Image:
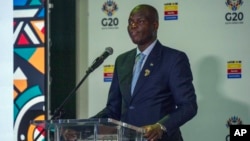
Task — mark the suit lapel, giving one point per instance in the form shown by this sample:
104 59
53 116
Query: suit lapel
125 74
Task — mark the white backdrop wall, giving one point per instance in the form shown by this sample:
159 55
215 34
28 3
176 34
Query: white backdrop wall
214 45
6 74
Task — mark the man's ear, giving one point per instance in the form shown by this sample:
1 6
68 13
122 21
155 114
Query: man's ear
156 25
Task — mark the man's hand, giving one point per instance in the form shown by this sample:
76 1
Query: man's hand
153 132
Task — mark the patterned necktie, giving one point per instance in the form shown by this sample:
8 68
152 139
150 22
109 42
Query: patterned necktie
137 70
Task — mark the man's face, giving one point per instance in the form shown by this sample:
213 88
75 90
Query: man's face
141 29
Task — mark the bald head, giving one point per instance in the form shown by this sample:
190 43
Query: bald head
149 11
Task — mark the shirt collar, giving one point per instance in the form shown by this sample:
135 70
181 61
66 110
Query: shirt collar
147 50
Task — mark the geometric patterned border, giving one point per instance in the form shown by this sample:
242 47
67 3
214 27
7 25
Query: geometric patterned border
29 68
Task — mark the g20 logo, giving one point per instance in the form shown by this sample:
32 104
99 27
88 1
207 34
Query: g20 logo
234 16
110 22
109 8
234 5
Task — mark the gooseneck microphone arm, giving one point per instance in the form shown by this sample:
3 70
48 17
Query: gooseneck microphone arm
98 61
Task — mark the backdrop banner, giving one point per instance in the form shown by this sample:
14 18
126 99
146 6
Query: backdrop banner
214 34
29 68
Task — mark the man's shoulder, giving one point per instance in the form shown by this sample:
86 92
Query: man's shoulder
168 49
127 54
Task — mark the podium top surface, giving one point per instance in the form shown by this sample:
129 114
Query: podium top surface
50 124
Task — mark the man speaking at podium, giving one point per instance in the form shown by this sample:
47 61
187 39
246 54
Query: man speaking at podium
155 89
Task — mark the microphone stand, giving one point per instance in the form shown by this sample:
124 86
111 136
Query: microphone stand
58 112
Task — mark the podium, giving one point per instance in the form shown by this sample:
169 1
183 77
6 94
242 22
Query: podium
96 129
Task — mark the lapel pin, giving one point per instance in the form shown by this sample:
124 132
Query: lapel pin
151 64
147 72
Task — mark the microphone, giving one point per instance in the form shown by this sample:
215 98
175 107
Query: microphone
99 60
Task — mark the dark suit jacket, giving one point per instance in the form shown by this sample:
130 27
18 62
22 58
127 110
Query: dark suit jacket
164 91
